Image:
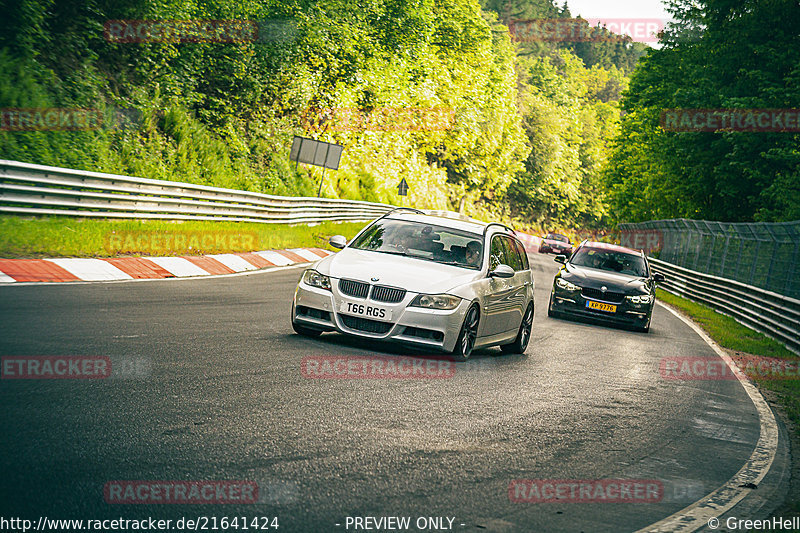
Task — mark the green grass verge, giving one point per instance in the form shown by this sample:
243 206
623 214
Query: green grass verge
24 237
726 331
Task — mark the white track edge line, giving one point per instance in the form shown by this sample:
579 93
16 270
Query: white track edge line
724 498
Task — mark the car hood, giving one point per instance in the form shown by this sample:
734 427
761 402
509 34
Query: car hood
556 243
595 279
414 275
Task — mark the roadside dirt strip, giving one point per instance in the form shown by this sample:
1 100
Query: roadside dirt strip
128 268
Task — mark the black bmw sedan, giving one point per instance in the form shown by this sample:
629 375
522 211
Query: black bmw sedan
605 283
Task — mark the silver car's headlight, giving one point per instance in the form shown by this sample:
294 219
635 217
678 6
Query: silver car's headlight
315 279
640 299
564 284
436 301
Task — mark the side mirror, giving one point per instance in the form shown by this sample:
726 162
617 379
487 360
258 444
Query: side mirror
502 271
658 277
338 241
561 259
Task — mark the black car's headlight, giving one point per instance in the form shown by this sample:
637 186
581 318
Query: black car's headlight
566 285
315 279
436 301
640 299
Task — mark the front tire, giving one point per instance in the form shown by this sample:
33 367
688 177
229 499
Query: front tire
520 344
467 337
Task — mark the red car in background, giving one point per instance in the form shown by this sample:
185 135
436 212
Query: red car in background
555 243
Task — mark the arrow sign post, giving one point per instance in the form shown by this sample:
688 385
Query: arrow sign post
402 189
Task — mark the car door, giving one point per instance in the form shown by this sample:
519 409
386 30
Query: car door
518 285
499 304
527 274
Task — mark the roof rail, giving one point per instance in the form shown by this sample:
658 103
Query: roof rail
490 224
401 209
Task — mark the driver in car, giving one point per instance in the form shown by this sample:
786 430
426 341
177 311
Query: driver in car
473 253
612 264
405 239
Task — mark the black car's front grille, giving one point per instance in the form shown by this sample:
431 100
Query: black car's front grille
597 294
364 324
387 294
356 289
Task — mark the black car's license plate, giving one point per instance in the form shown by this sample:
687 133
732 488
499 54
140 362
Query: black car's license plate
600 306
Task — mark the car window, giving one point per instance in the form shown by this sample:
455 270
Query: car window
610 260
522 254
556 237
512 255
497 254
422 241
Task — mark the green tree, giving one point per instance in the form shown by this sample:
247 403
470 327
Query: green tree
718 55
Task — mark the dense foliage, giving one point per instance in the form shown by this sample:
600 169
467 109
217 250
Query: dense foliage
529 125
721 54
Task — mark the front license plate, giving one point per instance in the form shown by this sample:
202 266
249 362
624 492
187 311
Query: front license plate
366 311
608 308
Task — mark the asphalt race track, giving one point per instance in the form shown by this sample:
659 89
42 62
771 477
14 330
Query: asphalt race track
217 393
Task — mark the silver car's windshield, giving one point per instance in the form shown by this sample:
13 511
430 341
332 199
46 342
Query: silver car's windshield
423 241
611 260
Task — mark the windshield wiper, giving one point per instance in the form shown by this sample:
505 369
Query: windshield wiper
391 252
457 263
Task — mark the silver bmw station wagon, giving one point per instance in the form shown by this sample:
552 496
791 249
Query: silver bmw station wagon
433 281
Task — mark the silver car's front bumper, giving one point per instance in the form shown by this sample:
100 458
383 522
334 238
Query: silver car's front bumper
432 328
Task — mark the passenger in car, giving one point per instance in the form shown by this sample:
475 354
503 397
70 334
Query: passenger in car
458 254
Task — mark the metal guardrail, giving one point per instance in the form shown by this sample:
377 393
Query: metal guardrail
773 314
27 189
765 255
